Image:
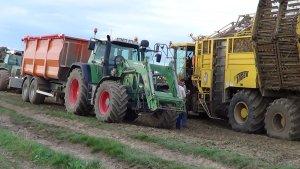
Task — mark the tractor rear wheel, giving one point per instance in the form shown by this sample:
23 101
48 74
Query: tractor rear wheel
111 102
165 118
246 111
34 97
4 79
282 119
76 95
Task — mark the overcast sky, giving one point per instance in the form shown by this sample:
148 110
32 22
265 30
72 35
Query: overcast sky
155 20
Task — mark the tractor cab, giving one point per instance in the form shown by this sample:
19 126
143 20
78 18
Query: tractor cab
10 66
11 59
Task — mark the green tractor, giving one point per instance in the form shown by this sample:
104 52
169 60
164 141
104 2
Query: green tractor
10 64
120 82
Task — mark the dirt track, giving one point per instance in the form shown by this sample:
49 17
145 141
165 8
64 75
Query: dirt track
200 131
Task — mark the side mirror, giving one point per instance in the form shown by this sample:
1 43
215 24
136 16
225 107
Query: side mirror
144 43
92 45
158 57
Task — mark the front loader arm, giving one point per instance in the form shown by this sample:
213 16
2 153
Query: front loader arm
144 70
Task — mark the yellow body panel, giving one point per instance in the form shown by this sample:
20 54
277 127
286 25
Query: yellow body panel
240 70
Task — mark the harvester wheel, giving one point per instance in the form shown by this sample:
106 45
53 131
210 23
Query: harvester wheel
165 118
25 90
111 102
76 95
34 97
247 111
282 119
4 79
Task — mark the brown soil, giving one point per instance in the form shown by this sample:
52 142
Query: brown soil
96 132
204 132
76 150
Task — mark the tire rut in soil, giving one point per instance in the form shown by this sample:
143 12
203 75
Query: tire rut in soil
78 126
212 133
76 150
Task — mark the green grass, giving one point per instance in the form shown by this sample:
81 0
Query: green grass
40 154
6 163
108 146
216 154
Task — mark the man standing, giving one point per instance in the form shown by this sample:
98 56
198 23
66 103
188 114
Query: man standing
182 118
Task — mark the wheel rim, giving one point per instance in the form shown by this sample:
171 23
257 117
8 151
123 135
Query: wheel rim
279 122
73 91
241 113
104 102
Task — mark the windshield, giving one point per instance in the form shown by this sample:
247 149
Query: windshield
13 60
184 55
99 52
127 53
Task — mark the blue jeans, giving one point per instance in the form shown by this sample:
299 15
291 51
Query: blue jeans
181 120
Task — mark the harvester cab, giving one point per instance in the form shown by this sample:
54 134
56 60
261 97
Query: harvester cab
183 55
124 83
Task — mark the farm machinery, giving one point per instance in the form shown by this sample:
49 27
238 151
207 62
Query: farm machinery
113 77
10 65
248 72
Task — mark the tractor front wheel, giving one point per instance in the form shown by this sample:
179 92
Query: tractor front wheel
282 119
111 102
165 118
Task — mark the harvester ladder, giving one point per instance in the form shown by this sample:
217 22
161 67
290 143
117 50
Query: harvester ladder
203 102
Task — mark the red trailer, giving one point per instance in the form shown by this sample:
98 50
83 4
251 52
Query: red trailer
46 64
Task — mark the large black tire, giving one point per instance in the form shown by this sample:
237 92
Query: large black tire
4 79
34 97
25 90
247 111
166 119
76 94
282 119
131 115
111 102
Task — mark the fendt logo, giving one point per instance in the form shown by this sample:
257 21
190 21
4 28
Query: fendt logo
242 75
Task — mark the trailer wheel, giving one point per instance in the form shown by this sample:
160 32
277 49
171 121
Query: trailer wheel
111 102
25 90
165 118
34 97
282 119
4 79
76 95
246 111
